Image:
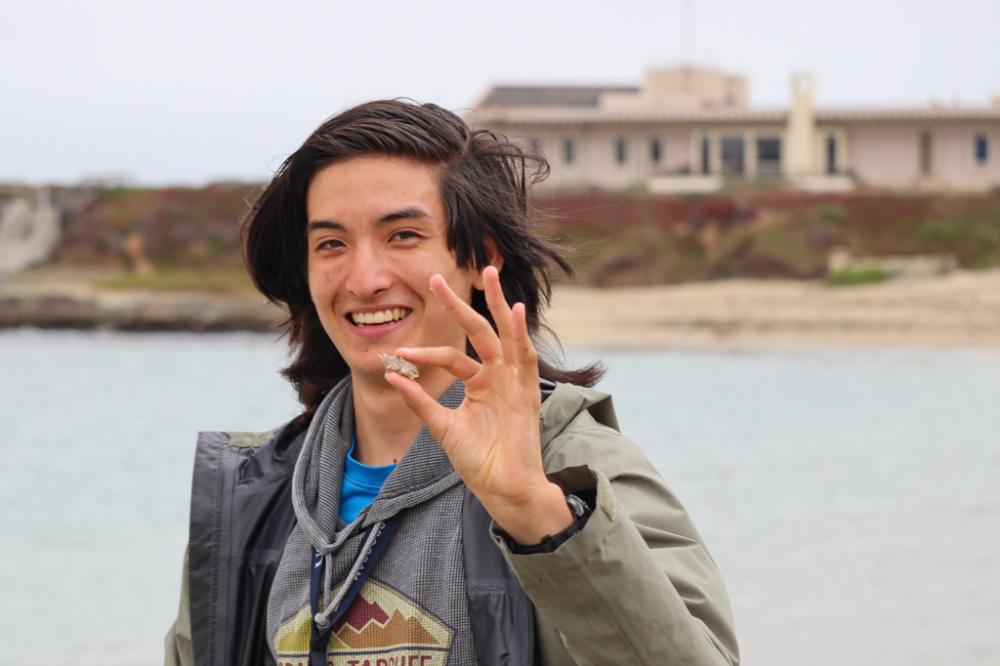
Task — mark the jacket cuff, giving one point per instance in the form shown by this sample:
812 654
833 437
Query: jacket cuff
609 598
592 487
581 512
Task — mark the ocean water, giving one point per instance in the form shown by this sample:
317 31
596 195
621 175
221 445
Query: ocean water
850 497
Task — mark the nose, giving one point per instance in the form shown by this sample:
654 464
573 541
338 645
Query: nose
368 273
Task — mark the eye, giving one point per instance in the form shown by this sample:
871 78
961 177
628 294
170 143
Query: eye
329 244
404 235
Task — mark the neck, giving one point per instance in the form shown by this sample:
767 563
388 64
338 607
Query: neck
384 427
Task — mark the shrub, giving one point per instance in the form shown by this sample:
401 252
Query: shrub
850 278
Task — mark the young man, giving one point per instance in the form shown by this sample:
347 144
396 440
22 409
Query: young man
483 511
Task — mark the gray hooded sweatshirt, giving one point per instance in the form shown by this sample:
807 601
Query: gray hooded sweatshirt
634 586
413 609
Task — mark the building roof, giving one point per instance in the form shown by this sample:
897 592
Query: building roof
565 116
926 113
551 115
622 104
549 96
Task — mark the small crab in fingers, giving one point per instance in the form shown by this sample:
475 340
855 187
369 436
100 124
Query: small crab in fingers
399 365
492 439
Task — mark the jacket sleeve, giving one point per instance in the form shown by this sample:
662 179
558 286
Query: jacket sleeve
177 643
635 585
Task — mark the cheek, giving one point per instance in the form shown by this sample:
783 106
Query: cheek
322 283
464 284
315 285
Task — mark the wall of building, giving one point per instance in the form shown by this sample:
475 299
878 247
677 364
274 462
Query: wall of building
889 155
602 163
595 162
954 159
842 157
594 155
682 88
877 154
885 155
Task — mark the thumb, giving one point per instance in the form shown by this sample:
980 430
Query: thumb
435 415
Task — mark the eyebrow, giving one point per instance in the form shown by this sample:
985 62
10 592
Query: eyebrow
412 212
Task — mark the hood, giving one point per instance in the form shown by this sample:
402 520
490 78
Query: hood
563 402
423 473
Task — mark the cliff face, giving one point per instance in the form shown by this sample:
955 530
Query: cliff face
29 232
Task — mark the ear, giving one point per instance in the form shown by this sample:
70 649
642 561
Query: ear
493 258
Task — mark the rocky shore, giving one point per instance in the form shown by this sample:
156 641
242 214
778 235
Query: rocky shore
958 310
69 299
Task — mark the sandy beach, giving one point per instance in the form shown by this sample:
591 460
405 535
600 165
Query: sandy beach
958 310
961 309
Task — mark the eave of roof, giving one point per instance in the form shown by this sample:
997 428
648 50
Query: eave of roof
910 113
501 97
554 116
589 116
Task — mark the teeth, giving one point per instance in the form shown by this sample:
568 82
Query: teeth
372 318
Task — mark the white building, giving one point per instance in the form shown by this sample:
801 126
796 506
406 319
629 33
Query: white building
689 128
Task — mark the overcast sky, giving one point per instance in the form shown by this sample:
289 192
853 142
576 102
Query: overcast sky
187 92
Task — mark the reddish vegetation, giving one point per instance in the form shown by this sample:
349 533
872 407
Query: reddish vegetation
177 225
637 238
599 211
619 238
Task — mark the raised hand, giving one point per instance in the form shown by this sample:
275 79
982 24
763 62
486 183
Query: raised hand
492 438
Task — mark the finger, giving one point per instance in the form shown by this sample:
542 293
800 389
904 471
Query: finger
501 312
484 340
527 355
454 361
430 411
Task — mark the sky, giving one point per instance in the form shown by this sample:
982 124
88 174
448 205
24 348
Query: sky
185 92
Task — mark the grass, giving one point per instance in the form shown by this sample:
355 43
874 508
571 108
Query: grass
220 281
851 278
830 213
939 231
788 245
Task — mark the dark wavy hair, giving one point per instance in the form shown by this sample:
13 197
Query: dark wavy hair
484 182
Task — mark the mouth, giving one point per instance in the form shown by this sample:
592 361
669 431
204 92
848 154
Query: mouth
378 317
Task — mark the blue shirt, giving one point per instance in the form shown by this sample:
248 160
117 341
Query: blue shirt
361 485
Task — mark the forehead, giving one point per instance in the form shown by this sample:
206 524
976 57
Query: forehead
371 186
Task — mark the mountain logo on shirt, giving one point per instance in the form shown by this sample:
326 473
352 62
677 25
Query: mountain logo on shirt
382 628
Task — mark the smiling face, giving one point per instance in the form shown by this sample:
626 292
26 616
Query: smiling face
377 232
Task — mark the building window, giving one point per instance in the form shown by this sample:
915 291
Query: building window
982 149
732 155
621 150
655 150
926 157
769 156
568 151
831 154
706 155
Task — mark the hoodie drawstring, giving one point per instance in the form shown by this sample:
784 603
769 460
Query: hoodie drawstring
322 619
374 544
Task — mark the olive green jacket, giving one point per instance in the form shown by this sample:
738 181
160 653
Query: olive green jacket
634 586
